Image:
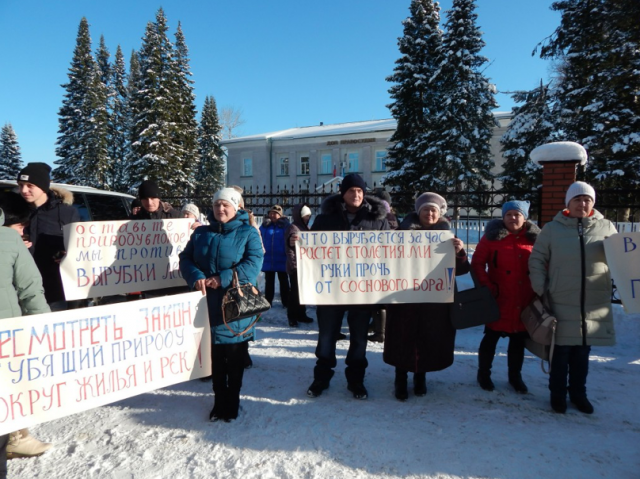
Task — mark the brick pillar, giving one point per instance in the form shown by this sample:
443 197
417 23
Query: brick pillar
556 178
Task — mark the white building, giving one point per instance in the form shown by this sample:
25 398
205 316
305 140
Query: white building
309 156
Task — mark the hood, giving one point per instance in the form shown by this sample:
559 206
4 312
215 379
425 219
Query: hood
62 194
496 230
297 218
572 222
374 206
412 222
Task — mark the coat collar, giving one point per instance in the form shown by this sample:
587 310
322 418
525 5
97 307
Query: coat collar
496 230
373 207
412 222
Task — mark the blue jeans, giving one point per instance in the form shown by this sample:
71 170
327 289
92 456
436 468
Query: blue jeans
574 362
329 324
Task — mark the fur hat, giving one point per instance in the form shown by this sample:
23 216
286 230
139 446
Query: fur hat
37 174
277 209
148 189
579 188
431 199
350 181
191 208
383 195
517 205
229 195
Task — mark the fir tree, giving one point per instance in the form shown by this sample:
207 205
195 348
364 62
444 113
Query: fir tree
415 95
119 126
156 124
210 175
134 83
532 125
10 157
597 96
186 140
465 121
83 119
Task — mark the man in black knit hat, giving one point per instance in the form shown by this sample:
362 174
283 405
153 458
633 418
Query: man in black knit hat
153 208
350 210
51 210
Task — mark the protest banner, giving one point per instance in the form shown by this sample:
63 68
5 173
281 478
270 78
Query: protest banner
114 257
375 267
623 256
57 364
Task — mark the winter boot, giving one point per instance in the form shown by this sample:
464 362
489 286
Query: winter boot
233 405
484 380
420 384
305 319
23 444
358 390
401 385
559 403
316 388
582 404
517 383
379 324
515 359
486 352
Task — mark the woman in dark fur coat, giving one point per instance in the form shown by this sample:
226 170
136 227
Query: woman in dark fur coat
419 336
501 262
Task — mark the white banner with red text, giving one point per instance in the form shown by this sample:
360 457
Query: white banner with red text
375 267
57 364
114 257
623 258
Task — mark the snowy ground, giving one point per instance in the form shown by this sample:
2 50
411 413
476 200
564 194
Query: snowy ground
456 431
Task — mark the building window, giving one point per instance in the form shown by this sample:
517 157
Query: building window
283 166
381 160
247 167
304 165
325 164
353 162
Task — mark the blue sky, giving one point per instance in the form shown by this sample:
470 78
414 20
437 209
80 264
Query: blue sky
284 63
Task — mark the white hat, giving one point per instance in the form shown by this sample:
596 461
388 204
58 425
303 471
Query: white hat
229 195
191 208
579 188
305 211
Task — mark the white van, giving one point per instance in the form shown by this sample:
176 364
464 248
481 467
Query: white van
92 204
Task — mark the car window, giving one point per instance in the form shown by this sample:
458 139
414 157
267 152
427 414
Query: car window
81 206
106 208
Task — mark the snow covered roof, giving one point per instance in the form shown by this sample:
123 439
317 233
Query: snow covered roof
331 130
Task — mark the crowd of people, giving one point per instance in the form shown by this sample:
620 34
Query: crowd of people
564 261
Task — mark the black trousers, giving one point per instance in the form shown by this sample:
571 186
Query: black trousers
571 361
270 283
515 351
4 440
294 309
227 371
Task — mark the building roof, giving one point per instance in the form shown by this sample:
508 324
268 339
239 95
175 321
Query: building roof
336 129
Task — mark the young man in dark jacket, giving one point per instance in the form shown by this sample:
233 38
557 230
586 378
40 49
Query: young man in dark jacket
51 210
350 210
153 208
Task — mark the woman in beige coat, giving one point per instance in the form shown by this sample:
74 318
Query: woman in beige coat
569 265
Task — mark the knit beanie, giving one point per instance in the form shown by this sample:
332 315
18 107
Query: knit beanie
431 199
579 188
136 203
191 208
37 174
517 205
350 181
148 189
229 195
305 211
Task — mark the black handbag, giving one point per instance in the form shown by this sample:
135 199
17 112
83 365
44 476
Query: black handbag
241 302
474 307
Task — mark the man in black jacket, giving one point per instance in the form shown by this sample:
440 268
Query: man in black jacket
350 210
51 210
153 208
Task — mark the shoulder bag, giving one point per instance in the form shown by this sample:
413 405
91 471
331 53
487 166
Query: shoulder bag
474 307
241 302
541 325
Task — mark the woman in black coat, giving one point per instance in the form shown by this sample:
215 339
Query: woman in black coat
419 336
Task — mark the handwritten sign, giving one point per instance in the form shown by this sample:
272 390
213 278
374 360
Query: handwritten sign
375 267
623 257
113 257
57 364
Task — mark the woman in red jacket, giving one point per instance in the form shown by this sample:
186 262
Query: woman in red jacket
501 262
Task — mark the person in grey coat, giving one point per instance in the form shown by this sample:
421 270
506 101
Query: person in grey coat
568 264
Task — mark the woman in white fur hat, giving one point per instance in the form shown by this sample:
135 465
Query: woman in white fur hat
568 264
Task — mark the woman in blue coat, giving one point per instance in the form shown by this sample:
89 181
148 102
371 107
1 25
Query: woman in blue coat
275 255
207 264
